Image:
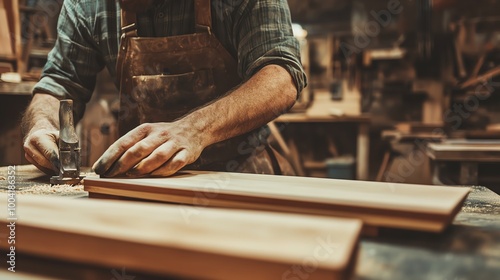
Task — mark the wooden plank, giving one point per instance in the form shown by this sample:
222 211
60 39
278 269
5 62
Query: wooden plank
14 25
158 239
474 151
5 34
17 36
363 152
419 207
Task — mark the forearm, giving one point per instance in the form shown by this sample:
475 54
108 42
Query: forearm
269 93
42 113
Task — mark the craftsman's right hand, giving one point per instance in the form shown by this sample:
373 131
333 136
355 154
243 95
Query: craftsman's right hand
157 149
41 150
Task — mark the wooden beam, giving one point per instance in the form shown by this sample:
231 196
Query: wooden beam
418 207
159 239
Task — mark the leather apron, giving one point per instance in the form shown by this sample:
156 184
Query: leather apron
162 79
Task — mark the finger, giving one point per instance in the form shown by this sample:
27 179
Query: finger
49 149
116 150
177 162
156 159
134 155
41 168
38 158
42 149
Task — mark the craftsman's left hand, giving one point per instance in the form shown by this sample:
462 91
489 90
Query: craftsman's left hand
159 149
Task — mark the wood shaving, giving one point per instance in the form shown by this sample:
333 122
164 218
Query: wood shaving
57 190
3 178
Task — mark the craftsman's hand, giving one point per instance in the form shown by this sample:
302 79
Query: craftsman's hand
40 149
159 149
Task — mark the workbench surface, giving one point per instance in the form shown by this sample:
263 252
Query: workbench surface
469 249
24 88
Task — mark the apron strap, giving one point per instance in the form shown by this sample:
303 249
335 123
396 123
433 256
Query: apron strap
128 23
203 16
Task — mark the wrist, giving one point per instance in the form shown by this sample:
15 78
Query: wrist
43 124
42 113
198 127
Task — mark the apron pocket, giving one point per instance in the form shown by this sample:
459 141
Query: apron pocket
168 97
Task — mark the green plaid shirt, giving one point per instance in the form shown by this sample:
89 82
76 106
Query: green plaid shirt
255 32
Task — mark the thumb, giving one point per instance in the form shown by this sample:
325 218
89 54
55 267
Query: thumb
48 146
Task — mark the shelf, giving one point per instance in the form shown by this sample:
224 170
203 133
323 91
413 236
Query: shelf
40 52
23 88
27 9
10 58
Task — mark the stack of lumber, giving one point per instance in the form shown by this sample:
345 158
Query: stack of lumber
415 207
158 239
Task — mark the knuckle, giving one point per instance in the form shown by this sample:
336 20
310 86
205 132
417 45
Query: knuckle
175 146
26 146
164 133
141 149
34 139
136 152
179 162
145 127
162 154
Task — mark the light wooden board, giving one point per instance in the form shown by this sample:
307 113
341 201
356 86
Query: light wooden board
473 151
419 207
5 34
323 105
160 239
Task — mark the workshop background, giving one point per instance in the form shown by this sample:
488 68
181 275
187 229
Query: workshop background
399 91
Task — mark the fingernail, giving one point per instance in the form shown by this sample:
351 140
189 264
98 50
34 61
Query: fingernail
56 164
114 170
96 167
132 172
54 159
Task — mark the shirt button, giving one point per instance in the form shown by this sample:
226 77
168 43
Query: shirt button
161 15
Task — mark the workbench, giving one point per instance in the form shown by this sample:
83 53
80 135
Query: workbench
469 153
403 144
361 122
469 249
23 88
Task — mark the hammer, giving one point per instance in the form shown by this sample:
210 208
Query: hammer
69 148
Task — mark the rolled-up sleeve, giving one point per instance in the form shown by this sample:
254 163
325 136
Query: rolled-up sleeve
263 35
72 65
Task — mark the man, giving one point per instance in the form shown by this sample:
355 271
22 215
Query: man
197 80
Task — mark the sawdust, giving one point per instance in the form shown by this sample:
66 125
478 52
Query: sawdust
57 190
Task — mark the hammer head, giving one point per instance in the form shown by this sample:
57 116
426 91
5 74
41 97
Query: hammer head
69 147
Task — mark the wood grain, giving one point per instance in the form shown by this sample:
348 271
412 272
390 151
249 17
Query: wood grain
161 239
419 207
